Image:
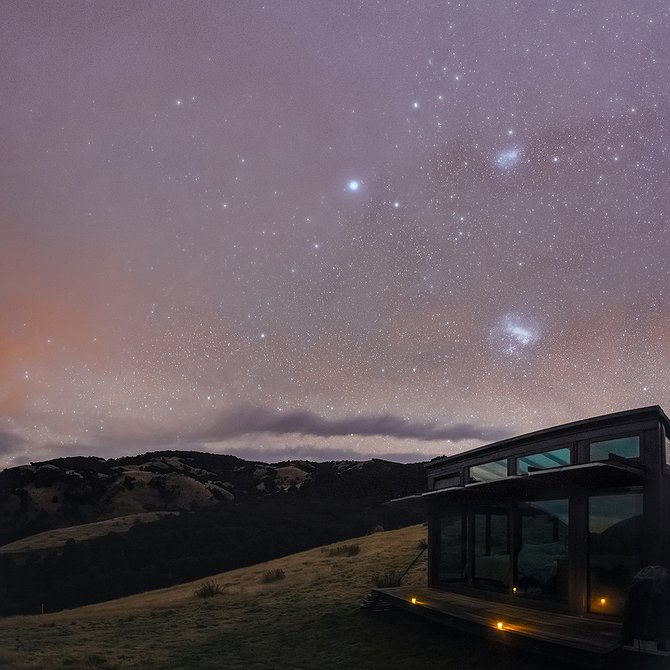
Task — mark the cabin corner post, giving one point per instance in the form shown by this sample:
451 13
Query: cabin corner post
653 457
579 555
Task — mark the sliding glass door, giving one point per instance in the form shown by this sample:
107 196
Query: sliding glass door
542 556
615 549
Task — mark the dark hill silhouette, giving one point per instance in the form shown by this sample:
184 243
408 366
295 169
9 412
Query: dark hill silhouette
231 513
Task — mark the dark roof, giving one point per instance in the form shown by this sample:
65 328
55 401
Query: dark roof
654 412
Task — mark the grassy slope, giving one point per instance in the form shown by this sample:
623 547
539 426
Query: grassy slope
51 539
311 619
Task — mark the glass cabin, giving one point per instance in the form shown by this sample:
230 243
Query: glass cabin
560 519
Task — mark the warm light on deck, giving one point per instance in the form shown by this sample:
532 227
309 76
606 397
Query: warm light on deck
500 625
413 601
603 601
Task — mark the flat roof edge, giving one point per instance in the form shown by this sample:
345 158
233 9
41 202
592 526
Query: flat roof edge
651 411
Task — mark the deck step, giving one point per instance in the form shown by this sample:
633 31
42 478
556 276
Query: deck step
375 602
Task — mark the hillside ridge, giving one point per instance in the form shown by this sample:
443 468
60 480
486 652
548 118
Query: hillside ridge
76 490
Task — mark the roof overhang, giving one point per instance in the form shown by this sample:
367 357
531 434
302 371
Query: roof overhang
569 478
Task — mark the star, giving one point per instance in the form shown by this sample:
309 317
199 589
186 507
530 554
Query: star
354 185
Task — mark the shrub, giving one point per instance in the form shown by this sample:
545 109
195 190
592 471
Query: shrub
343 550
273 576
422 545
208 589
386 579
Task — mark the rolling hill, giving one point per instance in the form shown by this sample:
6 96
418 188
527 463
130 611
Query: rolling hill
309 620
84 530
79 490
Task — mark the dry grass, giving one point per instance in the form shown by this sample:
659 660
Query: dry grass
57 537
344 550
309 620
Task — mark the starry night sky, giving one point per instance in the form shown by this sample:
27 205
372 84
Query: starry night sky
327 229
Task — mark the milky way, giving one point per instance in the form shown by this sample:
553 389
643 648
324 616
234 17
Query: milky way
385 221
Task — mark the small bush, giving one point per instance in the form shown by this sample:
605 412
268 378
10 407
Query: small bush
344 550
208 589
421 545
386 579
273 576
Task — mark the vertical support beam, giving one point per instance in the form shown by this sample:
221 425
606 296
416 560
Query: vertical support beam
578 557
652 511
470 540
433 546
514 543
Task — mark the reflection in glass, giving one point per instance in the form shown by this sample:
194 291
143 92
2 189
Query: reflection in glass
489 471
547 459
447 482
491 556
615 544
452 548
626 447
542 561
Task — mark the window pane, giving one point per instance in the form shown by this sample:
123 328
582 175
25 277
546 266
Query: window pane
542 461
667 450
626 447
615 541
492 558
542 561
452 548
447 481
489 471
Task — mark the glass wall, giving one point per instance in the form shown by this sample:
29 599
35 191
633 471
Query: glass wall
615 545
542 559
626 447
451 565
492 564
488 472
542 461
447 481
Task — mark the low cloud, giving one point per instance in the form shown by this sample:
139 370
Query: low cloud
246 420
320 454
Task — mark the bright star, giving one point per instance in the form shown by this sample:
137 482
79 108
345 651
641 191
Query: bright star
354 185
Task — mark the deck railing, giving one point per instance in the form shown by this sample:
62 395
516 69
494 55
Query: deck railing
411 565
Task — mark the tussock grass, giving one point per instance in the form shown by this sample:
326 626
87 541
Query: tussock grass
343 550
208 589
273 576
309 621
386 579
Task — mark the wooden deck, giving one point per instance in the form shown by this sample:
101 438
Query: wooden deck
570 638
